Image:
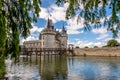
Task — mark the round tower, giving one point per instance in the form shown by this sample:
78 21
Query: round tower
48 35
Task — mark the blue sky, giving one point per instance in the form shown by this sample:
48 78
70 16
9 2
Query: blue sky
76 33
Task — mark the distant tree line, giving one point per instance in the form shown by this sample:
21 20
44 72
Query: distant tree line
110 43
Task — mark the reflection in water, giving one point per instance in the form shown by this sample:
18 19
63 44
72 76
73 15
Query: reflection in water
56 67
94 68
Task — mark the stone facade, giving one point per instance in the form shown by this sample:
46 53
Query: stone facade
108 51
49 38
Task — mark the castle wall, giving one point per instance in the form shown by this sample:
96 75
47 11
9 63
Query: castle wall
48 41
115 51
57 44
32 44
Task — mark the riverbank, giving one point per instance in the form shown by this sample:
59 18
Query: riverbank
106 52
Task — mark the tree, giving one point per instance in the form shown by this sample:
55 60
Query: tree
86 47
15 21
95 13
95 46
112 43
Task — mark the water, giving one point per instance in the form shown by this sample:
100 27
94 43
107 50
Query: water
57 67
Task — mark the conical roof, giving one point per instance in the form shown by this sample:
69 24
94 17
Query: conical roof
63 29
49 24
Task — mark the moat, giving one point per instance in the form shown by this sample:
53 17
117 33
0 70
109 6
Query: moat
61 67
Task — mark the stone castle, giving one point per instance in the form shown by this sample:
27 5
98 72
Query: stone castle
49 38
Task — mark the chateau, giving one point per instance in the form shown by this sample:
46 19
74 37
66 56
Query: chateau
49 38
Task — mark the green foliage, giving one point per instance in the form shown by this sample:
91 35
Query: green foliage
86 47
112 43
95 46
2 32
77 47
15 21
2 67
94 12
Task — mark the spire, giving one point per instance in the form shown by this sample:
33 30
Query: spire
63 29
49 23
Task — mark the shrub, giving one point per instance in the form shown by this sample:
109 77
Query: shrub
77 47
95 46
86 47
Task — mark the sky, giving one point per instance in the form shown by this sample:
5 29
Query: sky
76 33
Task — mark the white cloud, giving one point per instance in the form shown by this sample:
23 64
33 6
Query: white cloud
32 35
101 30
58 14
107 39
54 12
91 44
76 39
73 27
35 29
69 31
102 36
118 39
44 13
29 38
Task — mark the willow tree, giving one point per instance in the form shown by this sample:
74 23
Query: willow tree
2 44
96 13
15 21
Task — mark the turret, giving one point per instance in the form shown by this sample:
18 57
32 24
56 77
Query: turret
63 29
64 38
48 35
49 24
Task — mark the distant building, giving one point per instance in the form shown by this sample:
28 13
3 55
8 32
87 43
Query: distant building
49 38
